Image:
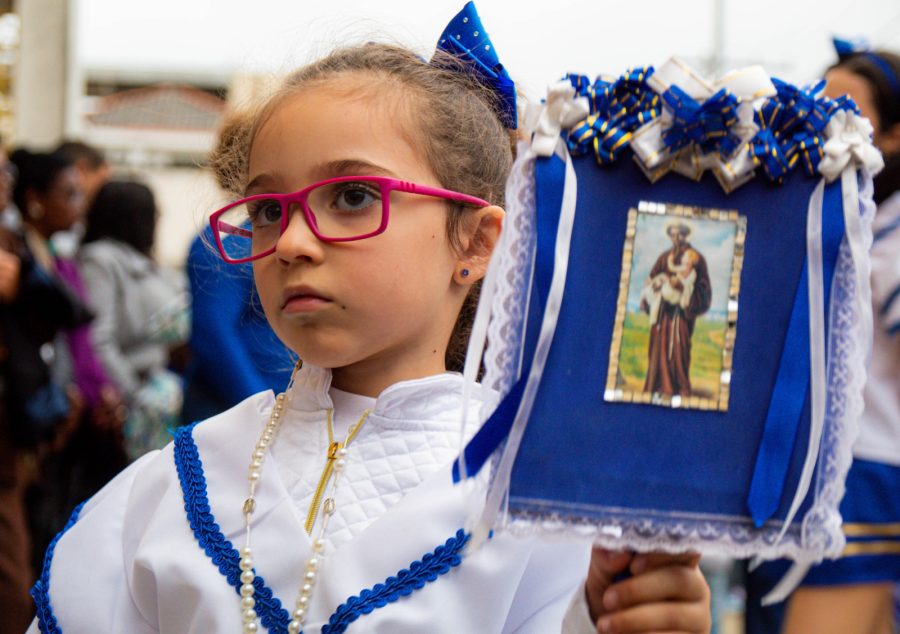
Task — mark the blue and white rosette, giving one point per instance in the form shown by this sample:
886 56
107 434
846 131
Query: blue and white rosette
742 126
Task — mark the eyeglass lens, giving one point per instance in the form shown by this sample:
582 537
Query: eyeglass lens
343 210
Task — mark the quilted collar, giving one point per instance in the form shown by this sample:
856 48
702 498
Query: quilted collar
432 398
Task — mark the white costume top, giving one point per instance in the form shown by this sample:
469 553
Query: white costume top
132 563
879 430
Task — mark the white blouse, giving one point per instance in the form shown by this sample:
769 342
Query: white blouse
132 563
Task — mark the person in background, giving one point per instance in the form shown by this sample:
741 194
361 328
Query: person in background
93 170
16 574
855 593
233 351
140 311
870 565
49 195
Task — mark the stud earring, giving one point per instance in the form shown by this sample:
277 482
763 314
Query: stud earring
464 273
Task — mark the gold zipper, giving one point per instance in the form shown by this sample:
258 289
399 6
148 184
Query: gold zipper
327 471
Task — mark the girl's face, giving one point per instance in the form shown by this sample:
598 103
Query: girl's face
62 205
375 311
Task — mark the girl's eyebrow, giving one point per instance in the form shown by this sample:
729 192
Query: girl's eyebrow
330 169
260 181
351 167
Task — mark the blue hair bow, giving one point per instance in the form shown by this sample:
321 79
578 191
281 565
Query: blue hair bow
860 46
466 39
844 47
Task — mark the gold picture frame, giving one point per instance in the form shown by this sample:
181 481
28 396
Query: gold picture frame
677 307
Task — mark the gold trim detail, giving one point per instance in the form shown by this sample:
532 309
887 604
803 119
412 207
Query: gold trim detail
860 529
871 548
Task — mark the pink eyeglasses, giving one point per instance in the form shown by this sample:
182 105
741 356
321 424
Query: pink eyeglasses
336 210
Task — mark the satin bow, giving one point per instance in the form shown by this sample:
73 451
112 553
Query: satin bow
466 39
617 109
849 140
792 128
766 150
706 125
562 109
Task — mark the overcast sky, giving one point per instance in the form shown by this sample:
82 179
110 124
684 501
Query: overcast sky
537 41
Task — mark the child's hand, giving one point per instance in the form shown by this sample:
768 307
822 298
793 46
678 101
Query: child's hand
665 593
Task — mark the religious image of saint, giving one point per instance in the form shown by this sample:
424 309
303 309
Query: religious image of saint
675 294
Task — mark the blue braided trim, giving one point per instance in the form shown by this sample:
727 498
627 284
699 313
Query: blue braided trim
432 566
221 551
272 615
41 590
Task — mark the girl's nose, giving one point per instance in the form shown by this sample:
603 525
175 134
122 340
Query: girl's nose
298 241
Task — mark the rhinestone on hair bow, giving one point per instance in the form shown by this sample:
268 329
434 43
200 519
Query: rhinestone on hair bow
466 38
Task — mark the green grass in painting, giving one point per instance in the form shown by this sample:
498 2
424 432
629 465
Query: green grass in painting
706 354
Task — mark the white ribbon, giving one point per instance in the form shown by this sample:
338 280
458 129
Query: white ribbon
475 349
848 147
499 487
788 583
849 142
852 154
562 110
816 291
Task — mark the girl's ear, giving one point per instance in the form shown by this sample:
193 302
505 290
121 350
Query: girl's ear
478 241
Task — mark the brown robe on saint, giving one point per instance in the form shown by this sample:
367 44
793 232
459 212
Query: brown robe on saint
669 352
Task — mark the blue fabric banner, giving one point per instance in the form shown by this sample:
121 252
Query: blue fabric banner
585 454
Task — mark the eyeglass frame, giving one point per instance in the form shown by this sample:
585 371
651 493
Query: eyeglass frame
386 185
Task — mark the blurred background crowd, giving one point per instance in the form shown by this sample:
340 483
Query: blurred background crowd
118 322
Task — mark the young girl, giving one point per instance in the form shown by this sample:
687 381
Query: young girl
373 184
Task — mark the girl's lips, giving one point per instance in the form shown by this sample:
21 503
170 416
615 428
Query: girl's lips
304 304
303 300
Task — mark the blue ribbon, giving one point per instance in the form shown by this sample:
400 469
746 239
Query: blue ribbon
791 392
705 125
550 178
466 39
617 109
767 151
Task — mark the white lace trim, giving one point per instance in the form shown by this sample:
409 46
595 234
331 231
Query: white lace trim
515 252
819 533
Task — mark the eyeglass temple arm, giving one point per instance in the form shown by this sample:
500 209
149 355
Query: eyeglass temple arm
224 227
442 193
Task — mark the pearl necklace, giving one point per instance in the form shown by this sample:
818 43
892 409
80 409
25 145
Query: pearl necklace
334 465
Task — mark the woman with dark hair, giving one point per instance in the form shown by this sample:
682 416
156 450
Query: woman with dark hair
140 310
872 79
54 317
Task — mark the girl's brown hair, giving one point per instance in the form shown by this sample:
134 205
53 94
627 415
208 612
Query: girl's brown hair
453 120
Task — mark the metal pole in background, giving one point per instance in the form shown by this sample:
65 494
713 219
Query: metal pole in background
717 56
39 85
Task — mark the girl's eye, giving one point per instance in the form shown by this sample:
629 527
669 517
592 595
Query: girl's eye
354 197
264 212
